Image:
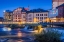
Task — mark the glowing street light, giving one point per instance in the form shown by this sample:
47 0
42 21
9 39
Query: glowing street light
19 34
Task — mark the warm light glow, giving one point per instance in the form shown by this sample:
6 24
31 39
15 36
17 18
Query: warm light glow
20 23
9 29
36 20
19 34
48 19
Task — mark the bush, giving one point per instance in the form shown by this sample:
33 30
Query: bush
48 36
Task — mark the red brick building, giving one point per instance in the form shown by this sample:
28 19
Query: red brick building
19 15
56 3
60 11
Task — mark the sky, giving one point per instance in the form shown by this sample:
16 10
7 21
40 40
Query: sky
33 4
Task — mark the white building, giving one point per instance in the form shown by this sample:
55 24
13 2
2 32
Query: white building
30 17
19 15
37 16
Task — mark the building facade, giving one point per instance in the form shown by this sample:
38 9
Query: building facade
60 13
8 15
22 14
30 17
19 15
56 3
38 15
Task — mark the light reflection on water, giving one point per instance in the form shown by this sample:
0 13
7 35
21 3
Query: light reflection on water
61 30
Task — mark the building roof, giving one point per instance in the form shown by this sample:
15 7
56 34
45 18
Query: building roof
60 5
8 11
37 11
23 9
1 18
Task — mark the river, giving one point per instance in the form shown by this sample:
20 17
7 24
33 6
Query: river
4 32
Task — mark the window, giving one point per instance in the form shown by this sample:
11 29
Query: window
38 17
16 17
23 16
30 15
19 12
45 17
19 15
19 18
45 14
29 18
38 14
16 20
42 14
42 17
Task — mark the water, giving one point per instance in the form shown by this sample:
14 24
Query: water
25 38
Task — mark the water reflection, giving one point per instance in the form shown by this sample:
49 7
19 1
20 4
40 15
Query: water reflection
20 33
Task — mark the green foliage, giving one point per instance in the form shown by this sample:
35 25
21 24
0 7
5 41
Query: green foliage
48 36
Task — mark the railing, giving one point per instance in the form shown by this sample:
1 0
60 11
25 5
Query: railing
18 22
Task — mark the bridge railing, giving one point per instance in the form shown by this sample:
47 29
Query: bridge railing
18 22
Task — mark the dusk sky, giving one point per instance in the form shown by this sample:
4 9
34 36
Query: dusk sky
13 4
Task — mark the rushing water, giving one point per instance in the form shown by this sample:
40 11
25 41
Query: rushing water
5 31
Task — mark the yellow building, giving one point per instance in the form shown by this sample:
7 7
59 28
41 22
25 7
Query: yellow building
8 16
